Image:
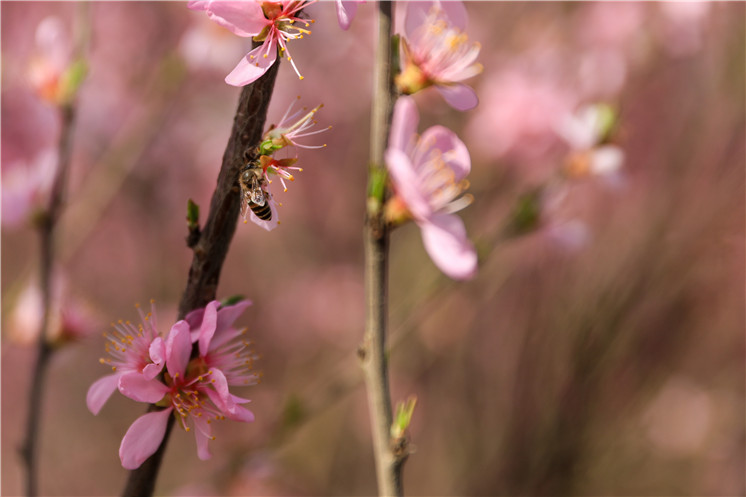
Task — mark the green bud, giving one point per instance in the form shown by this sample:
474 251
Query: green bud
377 183
609 119
71 80
403 417
192 214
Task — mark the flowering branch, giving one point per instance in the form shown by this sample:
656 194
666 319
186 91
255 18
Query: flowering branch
215 237
376 238
46 224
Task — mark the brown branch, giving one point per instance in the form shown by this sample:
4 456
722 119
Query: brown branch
216 236
376 238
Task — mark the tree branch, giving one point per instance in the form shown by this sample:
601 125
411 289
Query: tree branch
216 236
373 350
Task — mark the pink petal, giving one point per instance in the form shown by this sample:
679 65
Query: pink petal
207 330
100 391
198 4
242 18
157 352
456 13
240 414
228 315
202 435
418 11
415 17
403 124
220 384
143 438
406 183
458 96
345 13
194 318
178 348
444 236
607 160
453 150
253 65
137 387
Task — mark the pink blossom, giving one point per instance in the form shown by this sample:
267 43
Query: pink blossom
428 174
683 26
135 351
272 23
437 53
519 114
70 319
52 58
25 187
195 390
584 132
346 10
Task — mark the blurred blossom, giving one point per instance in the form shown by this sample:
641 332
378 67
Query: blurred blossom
428 174
194 389
683 26
346 10
571 235
611 24
602 72
209 46
437 53
585 131
70 319
25 187
611 33
518 115
679 419
51 59
272 23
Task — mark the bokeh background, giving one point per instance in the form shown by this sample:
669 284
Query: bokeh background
599 351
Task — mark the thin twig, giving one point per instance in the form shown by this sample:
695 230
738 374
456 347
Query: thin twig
216 236
376 237
46 224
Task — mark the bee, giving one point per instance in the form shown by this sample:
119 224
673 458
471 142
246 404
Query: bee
254 194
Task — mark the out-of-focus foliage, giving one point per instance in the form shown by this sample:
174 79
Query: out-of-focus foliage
599 350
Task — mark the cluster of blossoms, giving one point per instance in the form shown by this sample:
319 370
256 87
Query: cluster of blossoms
429 172
161 369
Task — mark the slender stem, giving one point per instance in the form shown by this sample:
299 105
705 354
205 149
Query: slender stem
215 238
47 224
376 238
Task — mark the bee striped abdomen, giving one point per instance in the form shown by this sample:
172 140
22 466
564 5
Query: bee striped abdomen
263 212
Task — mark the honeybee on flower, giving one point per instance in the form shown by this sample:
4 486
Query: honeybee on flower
257 201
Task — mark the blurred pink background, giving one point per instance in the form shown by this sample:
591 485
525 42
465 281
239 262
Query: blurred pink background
599 351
